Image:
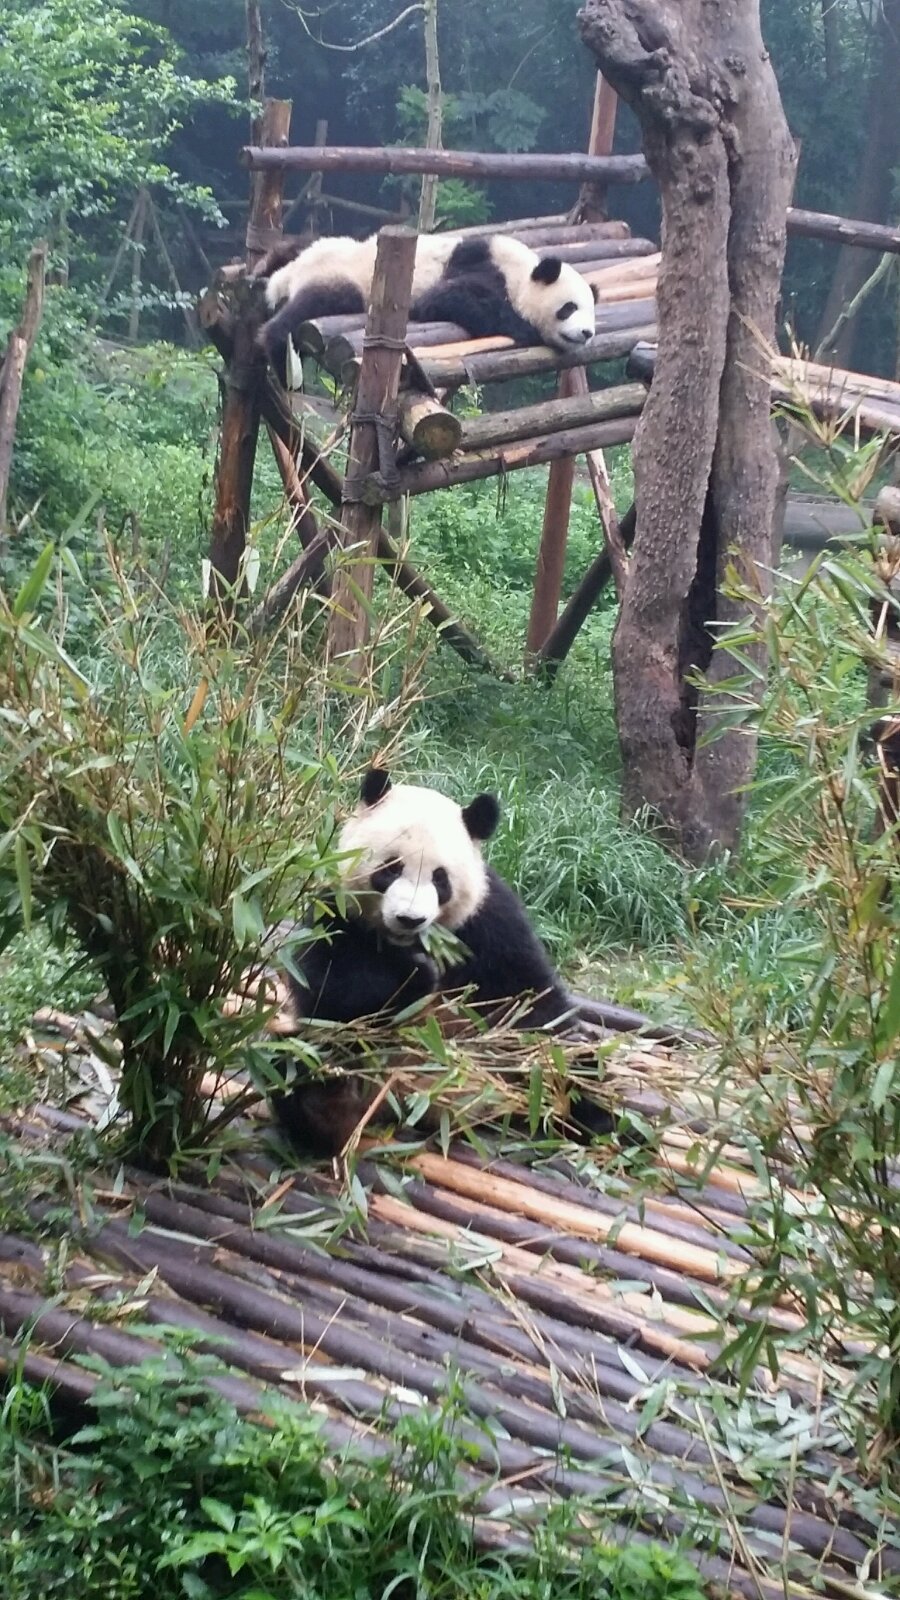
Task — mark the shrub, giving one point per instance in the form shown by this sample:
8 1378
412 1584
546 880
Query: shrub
166 798
161 1495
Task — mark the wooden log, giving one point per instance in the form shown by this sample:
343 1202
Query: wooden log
268 184
581 603
638 269
394 161
430 475
242 388
12 372
838 379
449 372
551 556
843 230
592 200
377 394
360 209
558 221
427 426
571 409
599 250
474 359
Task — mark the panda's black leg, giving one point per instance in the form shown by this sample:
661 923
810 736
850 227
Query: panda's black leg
317 300
480 311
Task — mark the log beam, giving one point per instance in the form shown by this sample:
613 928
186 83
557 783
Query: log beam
843 230
574 407
426 476
395 161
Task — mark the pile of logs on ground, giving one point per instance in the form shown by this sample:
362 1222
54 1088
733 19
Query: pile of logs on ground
828 393
564 1309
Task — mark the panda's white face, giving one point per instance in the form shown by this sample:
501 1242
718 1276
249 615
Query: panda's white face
548 293
415 857
561 304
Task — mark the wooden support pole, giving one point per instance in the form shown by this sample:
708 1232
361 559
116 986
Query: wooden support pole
551 560
12 371
591 203
373 427
415 587
397 162
582 601
244 382
137 258
603 496
264 225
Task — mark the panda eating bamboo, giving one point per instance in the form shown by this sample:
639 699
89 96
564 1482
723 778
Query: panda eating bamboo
413 863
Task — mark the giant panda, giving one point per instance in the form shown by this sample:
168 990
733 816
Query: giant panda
414 862
488 285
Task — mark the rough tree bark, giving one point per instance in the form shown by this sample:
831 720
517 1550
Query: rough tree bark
873 190
706 467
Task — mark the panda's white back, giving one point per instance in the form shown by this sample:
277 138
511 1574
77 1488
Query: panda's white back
343 259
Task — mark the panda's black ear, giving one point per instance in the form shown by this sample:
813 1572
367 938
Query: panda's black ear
481 816
375 786
548 270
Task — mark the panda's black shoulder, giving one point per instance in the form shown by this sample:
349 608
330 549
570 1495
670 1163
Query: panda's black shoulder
506 957
470 255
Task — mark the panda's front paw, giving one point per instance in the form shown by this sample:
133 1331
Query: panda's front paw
426 975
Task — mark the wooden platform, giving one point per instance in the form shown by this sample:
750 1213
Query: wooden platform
574 1312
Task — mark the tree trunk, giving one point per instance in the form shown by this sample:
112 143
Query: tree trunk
831 39
872 195
706 469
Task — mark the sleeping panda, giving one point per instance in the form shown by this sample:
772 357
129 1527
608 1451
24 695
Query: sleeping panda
414 863
492 285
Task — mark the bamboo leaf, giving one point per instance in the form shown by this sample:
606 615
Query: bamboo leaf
30 593
23 876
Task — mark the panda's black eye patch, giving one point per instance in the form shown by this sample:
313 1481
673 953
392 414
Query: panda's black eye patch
383 876
442 884
566 310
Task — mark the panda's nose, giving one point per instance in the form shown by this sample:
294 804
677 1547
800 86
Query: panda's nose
407 921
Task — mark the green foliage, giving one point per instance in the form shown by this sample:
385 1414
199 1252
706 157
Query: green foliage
129 435
149 796
821 1078
161 1494
89 97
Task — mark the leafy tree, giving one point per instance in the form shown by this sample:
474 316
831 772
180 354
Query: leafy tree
90 95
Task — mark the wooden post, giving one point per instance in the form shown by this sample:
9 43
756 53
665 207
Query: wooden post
376 396
264 227
591 203
137 246
428 196
245 378
551 559
12 368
